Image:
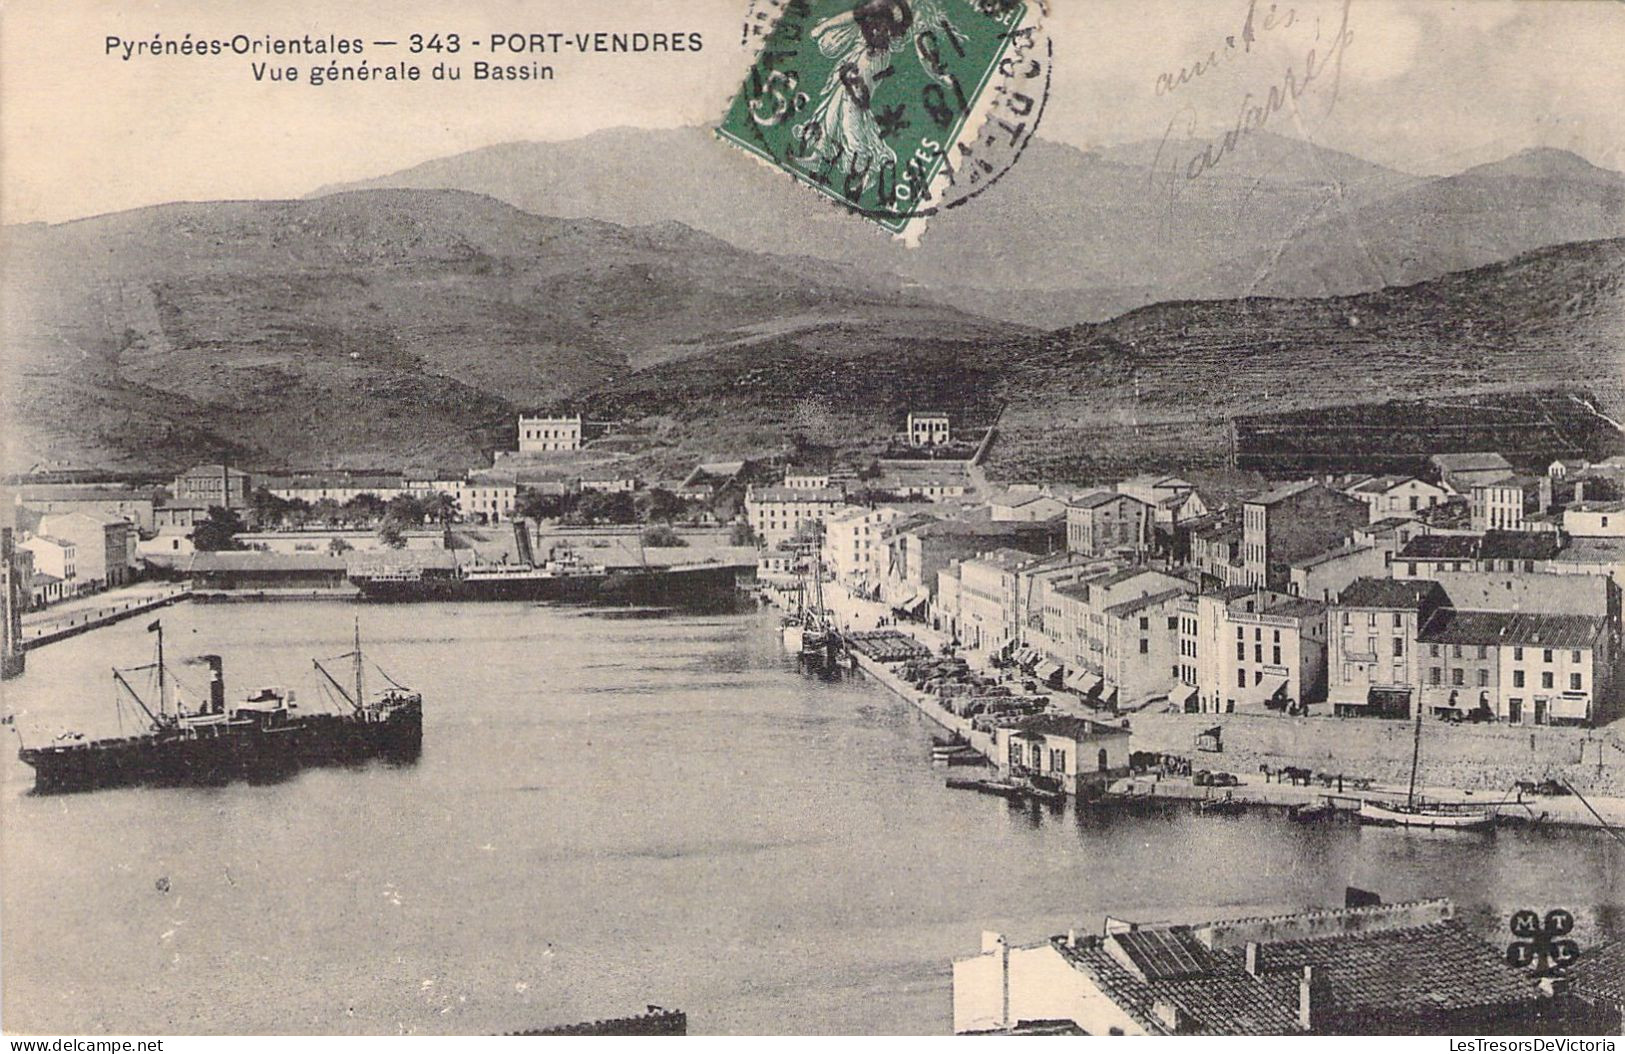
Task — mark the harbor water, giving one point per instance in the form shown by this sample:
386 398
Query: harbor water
613 810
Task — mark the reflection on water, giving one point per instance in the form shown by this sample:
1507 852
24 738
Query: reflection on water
610 812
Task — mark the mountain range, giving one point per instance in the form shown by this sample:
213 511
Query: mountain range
654 278
1069 235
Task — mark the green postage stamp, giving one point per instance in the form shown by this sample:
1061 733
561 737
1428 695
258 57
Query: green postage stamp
894 109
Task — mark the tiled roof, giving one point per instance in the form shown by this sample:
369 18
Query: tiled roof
1067 725
1099 498
1380 484
1554 631
1282 492
1519 545
1474 462
1390 593
1448 626
1589 550
258 561
1129 607
1394 975
1599 976
1295 607
799 494
1440 547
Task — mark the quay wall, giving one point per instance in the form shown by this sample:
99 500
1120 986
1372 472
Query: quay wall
1469 757
926 704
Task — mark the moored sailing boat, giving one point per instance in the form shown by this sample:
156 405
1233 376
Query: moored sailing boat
264 734
1416 812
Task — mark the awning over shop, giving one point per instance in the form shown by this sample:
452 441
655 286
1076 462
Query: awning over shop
1266 688
1027 655
1048 669
1183 697
1079 680
914 604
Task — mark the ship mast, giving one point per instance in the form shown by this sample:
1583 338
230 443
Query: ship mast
1416 756
360 682
158 627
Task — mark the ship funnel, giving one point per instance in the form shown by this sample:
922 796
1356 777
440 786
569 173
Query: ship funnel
217 683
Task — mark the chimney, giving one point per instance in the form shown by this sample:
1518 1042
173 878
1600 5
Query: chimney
1252 958
1545 494
1071 938
217 684
1172 1017
1314 1000
1579 491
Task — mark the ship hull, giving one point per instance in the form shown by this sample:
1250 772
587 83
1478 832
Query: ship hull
700 585
1440 819
219 755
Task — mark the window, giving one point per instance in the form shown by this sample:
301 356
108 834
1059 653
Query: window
1433 675
1240 633
1517 678
1546 656
1371 645
1276 659
1517 654
1345 618
1483 678
1241 678
1371 618
1145 646
1455 651
1399 620
1399 646
1456 677
1145 623
1433 650
1546 679
1574 682
1574 656
1241 650
1483 651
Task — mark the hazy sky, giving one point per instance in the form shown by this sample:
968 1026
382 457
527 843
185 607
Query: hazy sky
1424 85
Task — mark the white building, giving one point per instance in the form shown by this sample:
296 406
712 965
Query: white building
927 429
1502 504
1245 649
1388 496
58 558
855 549
777 513
1595 519
341 487
544 434
105 545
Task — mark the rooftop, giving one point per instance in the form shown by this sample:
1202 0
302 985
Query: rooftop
1067 725
1129 607
1391 593
1441 547
1520 545
1006 558
1096 499
1599 976
810 495
1395 964
1471 462
1283 492
1379 484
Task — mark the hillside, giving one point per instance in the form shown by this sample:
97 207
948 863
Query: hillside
1068 235
1159 385
380 327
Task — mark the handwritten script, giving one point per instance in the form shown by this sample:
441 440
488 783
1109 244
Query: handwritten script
1323 62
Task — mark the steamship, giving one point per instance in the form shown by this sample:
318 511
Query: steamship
263 735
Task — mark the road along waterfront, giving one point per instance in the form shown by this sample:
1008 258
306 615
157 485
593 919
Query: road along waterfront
616 808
